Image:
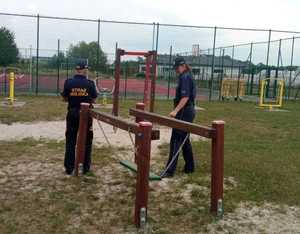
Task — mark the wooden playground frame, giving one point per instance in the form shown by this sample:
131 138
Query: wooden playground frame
150 73
142 129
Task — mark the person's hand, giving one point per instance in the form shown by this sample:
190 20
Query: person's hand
173 114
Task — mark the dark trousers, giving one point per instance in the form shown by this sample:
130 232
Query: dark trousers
177 138
71 138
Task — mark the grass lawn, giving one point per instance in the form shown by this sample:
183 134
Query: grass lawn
262 164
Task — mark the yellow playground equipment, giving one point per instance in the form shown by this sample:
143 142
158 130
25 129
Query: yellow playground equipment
278 99
233 88
11 97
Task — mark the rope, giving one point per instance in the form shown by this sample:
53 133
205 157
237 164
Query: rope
103 132
175 156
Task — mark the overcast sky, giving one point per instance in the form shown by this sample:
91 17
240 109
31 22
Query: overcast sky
266 14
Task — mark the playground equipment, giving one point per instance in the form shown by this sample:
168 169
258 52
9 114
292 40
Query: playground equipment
11 97
143 136
232 88
150 57
278 98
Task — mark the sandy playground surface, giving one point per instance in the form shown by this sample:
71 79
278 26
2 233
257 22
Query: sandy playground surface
247 218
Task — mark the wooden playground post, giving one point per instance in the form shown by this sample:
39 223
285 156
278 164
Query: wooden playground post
217 166
82 134
143 168
139 106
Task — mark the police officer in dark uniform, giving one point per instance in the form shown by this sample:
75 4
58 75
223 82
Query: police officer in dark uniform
77 90
184 109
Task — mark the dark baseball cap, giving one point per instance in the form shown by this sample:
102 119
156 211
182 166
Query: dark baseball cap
81 65
178 61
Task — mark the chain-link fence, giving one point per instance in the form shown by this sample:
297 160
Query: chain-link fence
226 62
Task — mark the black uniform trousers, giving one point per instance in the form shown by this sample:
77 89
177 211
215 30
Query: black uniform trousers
177 138
71 138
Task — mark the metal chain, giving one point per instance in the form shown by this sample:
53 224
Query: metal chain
134 149
175 156
103 132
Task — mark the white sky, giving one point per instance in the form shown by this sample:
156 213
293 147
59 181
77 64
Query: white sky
275 14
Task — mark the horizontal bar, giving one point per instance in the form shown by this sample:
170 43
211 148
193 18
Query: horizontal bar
121 123
115 121
174 123
137 53
150 24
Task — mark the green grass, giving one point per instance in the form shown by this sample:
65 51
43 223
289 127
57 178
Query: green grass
261 155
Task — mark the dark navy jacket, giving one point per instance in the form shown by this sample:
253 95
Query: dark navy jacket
185 88
77 90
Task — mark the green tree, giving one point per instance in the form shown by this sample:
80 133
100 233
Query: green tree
8 48
53 62
88 51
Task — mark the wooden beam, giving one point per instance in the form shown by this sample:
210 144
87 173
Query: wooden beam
174 123
121 123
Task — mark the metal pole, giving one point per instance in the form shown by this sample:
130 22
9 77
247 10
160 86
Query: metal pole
277 68
126 74
292 61
232 59
30 69
154 67
267 64
115 110
212 65
37 56
153 36
250 64
58 66
170 67
222 75
98 48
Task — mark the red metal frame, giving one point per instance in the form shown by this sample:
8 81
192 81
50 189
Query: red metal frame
150 74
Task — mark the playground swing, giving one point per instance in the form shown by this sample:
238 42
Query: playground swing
104 92
126 163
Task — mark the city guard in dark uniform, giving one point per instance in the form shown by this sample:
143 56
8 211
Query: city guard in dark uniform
184 109
77 90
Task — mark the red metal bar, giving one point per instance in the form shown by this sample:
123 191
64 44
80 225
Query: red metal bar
153 81
217 165
81 136
115 110
143 167
146 84
136 53
138 106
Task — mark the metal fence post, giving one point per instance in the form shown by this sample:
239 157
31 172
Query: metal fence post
212 65
277 69
232 61
170 67
37 55
251 70
58 66
292 61
222 74
98 48
267 64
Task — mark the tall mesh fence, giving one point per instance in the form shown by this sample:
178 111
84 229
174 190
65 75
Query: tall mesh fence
218 56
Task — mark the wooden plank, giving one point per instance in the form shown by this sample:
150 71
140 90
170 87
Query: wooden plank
121 123
133 167
174 123
115 121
